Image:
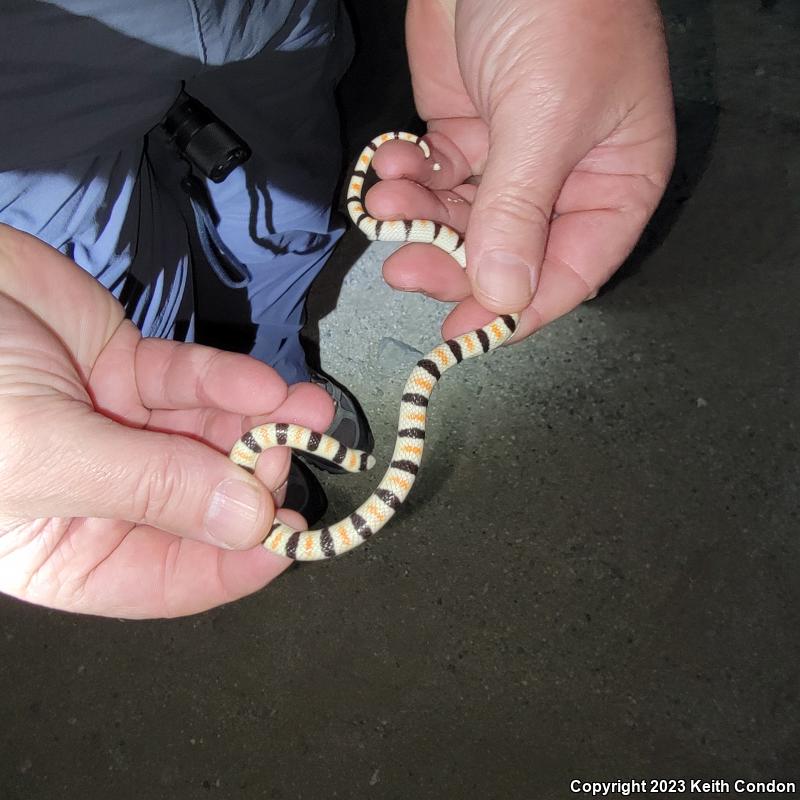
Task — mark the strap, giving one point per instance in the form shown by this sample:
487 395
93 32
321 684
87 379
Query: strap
226 266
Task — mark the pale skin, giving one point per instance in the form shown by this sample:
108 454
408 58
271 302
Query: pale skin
113 446
551 125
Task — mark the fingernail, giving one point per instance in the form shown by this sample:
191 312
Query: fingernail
505 278
232 513
279 495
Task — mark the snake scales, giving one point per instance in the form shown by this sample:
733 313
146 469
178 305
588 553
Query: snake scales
380 506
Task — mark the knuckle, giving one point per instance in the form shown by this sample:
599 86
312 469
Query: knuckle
515 208
644 195
162 482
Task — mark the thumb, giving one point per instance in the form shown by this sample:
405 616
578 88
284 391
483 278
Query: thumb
510 218
171 482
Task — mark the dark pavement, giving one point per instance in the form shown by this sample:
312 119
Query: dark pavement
598 576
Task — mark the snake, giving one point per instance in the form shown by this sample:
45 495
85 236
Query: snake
393 489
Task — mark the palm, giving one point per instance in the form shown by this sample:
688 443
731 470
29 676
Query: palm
65 386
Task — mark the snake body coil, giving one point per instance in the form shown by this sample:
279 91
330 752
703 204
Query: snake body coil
396 484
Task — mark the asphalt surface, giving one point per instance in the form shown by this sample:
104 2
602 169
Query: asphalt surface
597 575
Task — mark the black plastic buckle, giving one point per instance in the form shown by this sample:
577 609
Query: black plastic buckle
203 140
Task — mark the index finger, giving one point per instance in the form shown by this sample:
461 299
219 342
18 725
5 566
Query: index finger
176 375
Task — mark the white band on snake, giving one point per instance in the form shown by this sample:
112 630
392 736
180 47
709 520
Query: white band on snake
380 506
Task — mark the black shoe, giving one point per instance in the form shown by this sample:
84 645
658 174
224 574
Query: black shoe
349 426
304 493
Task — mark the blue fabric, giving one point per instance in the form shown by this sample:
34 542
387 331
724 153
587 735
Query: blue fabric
82 85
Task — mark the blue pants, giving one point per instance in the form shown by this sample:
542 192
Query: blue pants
83 85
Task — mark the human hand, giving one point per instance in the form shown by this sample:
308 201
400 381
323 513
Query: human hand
552 124
114 496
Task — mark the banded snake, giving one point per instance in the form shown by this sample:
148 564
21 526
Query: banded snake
380 506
